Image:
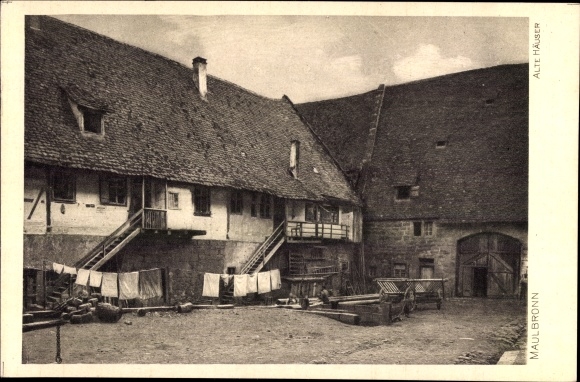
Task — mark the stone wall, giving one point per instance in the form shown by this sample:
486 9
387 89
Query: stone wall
63 249
390 242
186 260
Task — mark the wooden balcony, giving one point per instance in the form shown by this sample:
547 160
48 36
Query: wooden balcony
306 231
154 219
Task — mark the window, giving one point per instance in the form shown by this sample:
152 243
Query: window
416 228
92 121
262 205
400 270
237 202
403 192
201 201
173 200
321 214
63 187
428 228
441 144
265 206
423 228
113 190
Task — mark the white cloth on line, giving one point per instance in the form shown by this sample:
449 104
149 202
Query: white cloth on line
58 268
128 285
150 284
82 277
240 285
95 279
211 285
226 278
109 285
264 282
69 270
275 279
252 283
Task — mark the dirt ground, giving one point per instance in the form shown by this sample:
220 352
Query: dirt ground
464 331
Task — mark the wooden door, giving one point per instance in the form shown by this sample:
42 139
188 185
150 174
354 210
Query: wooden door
488 265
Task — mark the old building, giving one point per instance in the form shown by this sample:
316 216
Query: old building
134 161
442 167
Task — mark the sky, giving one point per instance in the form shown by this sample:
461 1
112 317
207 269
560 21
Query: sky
311 58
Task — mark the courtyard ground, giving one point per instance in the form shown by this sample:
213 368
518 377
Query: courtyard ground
464 331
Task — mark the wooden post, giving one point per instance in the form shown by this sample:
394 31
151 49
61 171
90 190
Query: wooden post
43 284
143 192
166 285
48 197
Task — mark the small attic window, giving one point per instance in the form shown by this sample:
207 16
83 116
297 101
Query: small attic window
92 121
489 101
403 192
88 111
441 144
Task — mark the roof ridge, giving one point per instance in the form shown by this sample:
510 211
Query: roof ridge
165 58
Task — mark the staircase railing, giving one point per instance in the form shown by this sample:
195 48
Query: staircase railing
260 253
131 222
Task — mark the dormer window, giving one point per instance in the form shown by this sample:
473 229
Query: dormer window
92 121
88 111
403 192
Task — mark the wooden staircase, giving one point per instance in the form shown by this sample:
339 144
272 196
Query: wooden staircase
265 251
99 255
258 260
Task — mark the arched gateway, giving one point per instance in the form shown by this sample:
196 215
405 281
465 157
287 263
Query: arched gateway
488 265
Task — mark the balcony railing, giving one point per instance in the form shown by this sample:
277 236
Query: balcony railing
154 219
306 230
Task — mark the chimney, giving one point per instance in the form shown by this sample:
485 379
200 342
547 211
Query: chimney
294 158
200 75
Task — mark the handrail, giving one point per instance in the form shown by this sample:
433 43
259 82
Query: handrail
93 252
263 247
109 239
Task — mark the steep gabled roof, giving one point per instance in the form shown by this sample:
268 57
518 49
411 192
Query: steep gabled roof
481 173
156 124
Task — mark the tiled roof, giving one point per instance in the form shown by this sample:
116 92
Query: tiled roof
156 122
482 172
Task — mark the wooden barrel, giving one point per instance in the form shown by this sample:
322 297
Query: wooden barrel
108 313
185 308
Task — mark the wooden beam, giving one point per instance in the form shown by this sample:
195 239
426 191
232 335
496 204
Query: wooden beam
35 203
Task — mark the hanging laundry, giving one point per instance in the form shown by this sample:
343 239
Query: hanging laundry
240 285
109 285
150 284
58 268
83 277
252 283
211 285
264 282
128 285
227 279
69 270
95 279
275 279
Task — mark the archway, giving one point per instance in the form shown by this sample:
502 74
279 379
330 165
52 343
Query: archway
488 265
